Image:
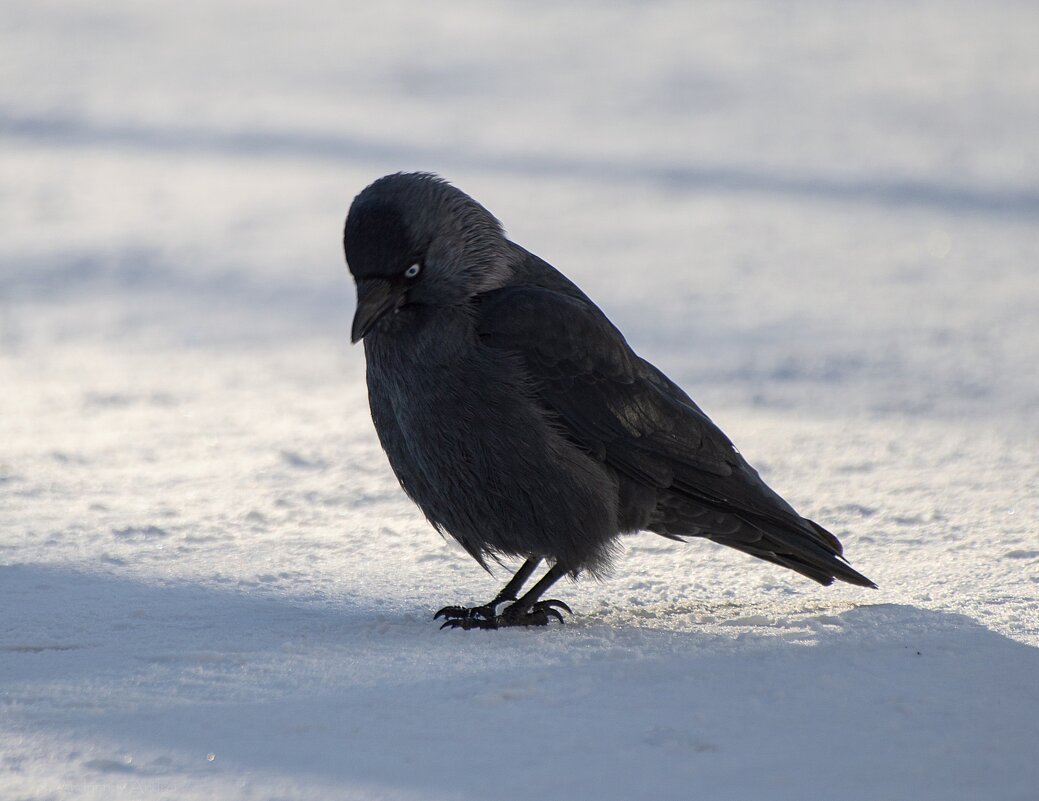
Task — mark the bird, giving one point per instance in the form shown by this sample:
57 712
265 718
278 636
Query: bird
522 423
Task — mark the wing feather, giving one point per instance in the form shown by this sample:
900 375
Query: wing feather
627 413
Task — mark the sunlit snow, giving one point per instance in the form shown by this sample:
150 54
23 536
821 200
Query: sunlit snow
821 219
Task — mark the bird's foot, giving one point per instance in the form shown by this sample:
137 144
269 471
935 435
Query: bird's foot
488 611
539 614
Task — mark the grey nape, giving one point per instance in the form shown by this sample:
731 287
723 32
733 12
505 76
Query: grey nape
523 424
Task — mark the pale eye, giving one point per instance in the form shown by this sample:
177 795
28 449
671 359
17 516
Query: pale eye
413 270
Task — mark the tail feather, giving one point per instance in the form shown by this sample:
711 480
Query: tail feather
808 549
780 536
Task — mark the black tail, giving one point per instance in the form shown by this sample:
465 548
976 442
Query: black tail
807 548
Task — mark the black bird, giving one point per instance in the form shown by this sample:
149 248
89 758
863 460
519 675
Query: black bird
522 423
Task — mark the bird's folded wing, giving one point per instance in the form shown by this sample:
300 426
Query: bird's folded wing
610 401
629 414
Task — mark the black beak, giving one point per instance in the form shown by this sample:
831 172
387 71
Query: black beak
375 299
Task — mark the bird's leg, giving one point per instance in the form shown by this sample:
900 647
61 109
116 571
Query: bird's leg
528 610
490 610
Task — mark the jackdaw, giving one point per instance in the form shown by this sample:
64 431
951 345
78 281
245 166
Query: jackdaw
522 423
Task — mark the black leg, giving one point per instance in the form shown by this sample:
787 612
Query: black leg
526 611
510 592
490 610
534 593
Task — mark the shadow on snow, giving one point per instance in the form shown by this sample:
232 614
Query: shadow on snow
879 701
67 131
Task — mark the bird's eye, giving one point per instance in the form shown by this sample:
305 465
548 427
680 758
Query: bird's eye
413 270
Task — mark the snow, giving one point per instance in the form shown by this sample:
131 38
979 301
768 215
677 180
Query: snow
819 219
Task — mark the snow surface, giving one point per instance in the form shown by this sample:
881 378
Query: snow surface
821 219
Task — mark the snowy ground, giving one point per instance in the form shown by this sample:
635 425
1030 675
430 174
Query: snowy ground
822 219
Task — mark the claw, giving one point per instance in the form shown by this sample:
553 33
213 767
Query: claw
553 602
554 613
450 612
465 612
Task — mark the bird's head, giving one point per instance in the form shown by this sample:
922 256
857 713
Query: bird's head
413 239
